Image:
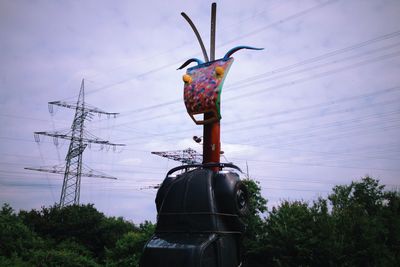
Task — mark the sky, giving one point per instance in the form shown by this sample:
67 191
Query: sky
318 107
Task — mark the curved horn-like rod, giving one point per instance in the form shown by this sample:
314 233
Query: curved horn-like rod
187 62
237 48
203 49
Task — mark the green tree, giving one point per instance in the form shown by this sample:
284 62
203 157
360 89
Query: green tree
60 257
361 224
16 239
13 261
128 249
253 222
391 218
357 225
111 229
297 235
83 224
77 222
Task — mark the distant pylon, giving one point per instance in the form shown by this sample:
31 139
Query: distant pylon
186 156
79 140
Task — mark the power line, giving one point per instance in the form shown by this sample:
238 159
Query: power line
315 76
299 134
302 80
261 178
270 77
263 126
322 56
281 21
274 24
324 138
316 165
307 117
288 111
282 69
322 104
288 67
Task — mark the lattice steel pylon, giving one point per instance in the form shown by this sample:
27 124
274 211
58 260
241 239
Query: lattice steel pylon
186 156
79 140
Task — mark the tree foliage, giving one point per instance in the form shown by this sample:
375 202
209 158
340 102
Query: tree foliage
356 225
129 248
71 236
253 221
363 223
17 241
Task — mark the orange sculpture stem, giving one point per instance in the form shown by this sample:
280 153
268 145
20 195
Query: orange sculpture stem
211 142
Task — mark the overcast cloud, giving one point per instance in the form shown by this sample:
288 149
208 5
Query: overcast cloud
318 107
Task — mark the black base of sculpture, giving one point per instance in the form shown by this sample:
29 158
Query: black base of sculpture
198 220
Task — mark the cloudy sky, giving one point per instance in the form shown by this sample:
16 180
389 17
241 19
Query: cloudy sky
318 107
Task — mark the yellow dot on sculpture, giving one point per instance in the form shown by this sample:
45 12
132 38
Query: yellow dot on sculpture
219 71
186 78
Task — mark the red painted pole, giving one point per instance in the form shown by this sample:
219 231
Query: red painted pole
211 143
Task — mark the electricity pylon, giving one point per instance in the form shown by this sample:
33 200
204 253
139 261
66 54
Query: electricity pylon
79 140
186 156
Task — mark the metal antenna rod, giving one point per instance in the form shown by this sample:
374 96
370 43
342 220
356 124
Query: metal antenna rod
213 29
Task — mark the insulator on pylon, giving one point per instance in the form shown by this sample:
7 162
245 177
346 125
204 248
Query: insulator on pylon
51 110
89 116
55 141
114 148
36 137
